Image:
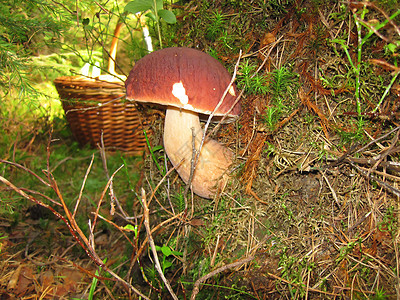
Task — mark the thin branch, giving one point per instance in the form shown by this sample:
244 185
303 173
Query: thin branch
161 225
26 170
83 186
272 46
194 163
94 107
192 167
113 198
103 194
386 186
377 140
153 246
199 281
334 195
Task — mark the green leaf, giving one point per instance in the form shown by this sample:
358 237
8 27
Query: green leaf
130 227
167 264
138 6
177 253
166 250
167 16
151 16
156 148
391 47
85 21
159 5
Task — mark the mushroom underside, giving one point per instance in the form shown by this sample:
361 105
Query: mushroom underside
181 126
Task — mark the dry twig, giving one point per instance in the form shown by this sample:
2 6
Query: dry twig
199 281
153 246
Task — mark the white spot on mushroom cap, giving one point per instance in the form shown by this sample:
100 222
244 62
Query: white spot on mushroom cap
179 92
232 91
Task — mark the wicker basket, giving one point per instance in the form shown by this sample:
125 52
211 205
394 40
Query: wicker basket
96 107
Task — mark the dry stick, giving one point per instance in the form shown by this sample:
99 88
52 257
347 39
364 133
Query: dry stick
380 182
389 165
334 195
214 256
82 187
372 28
26 170
102 196
295 284
387 152
113 197
76 230
66 159
54 186
220 103
42 195
253 133
153 246
161 224
159 203
272 46
196 287
377 140
70 226
242 91
196 153
118 228
83 270
136 291
95 107
154 230
192 166
144 243
168 184
161 181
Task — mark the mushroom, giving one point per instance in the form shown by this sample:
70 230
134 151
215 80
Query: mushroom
189 82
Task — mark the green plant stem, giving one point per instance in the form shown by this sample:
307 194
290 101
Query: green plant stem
356 67
152 154
377 27
157 22
231 288
94 283
361 41
386 91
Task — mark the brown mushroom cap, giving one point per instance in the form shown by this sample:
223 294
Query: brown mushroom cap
160 75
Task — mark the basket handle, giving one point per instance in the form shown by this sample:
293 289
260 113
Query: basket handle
113 49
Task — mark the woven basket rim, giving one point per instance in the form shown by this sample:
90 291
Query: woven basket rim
101 81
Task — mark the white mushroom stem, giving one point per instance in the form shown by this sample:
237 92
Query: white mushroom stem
214 159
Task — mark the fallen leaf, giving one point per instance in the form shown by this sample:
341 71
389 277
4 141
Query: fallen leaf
26 281
14 279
